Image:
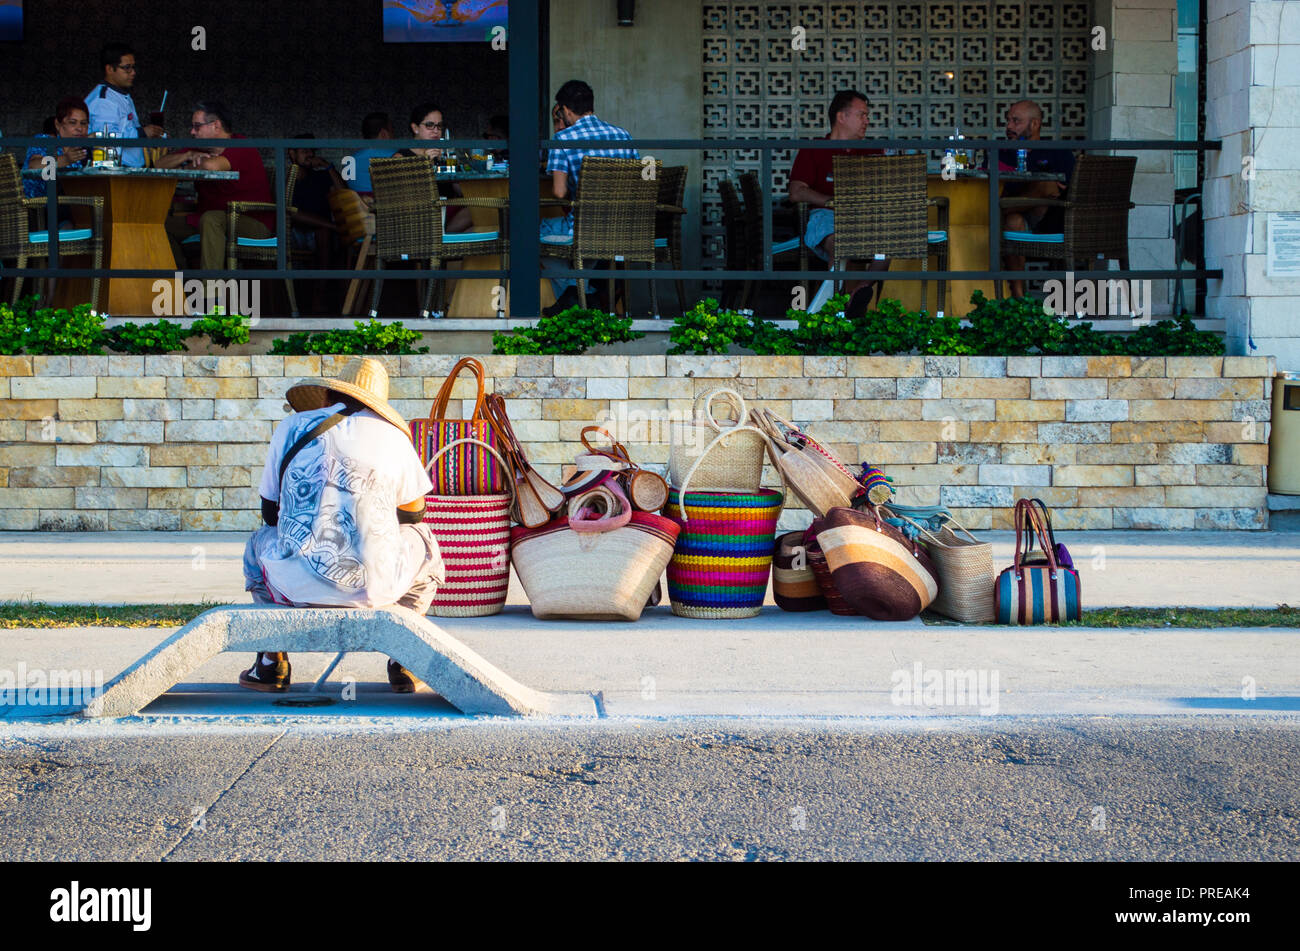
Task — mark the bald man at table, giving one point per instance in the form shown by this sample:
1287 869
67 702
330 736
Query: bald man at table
1025 122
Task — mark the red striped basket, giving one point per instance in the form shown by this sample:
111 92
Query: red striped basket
473 535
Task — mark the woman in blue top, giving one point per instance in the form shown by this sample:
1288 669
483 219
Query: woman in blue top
70 121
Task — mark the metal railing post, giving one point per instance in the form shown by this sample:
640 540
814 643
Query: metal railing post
525 191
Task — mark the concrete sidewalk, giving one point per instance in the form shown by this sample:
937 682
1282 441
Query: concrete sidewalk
1125 569
777 664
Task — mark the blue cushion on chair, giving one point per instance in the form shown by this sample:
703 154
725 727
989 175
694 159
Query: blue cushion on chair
661 242
1030 236
469 237
256 242
936 237
781 247
192 239
75 234
557 239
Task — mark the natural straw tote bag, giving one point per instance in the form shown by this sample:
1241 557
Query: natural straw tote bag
723 556
727 458
605 576
807 478
470 470
965 570
787 433
473 535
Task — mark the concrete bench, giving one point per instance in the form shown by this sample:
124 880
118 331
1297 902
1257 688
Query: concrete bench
466 680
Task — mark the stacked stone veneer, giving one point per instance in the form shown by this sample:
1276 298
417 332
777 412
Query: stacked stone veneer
174 442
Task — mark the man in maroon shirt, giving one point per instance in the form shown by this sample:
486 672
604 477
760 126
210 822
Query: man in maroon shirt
811 181
211 120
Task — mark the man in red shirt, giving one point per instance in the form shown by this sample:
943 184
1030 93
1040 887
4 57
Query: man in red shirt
811 181
211 120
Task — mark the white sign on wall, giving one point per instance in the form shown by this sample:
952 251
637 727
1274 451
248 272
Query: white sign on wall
1283 245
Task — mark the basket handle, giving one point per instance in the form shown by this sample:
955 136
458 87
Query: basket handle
731 397
616 451
439 408
681 492
456 442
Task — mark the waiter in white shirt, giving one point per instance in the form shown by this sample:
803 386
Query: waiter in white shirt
110 104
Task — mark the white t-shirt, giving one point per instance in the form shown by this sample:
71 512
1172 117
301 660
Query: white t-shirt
339 537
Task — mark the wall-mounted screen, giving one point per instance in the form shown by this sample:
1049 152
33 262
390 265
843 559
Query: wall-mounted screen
444 21
11 20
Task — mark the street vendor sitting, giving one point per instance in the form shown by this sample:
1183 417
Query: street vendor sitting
343 501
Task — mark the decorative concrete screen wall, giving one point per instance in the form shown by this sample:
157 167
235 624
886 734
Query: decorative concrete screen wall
172 442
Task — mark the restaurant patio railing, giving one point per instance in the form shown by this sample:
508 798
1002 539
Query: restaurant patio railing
525 270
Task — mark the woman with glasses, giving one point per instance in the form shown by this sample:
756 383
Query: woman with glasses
427 123
71 121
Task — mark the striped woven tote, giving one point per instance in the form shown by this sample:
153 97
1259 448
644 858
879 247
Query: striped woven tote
1036 593
473 536
723 555
471 469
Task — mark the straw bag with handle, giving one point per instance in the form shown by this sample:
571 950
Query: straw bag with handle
787 433
964 567
732 456
470 470
473 536
606 576
880 572
804 469
536 500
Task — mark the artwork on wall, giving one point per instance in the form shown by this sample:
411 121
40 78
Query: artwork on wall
443 21
11 21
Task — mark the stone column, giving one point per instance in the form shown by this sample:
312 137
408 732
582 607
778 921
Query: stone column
1253 107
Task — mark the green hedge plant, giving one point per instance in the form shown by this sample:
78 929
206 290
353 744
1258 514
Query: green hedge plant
569 332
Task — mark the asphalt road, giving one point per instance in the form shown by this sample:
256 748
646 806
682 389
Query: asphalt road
1087 788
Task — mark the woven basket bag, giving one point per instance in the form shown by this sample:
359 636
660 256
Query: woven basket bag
794 583
965 570
723 555
473 535
600 576
727 458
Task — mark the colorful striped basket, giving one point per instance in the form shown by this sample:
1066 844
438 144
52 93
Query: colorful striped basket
473 535
723 555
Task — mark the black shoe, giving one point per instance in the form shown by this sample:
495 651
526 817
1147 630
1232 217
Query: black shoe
566 300
271 678
860 301
399 678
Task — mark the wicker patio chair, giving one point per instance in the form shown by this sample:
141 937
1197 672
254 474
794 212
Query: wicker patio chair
1096 207
881 207
409 220
20 242
791 250
613 220
263 250
668 223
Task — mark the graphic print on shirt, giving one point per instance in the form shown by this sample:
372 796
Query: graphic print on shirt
332 508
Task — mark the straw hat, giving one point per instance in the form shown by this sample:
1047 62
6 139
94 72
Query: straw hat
364 379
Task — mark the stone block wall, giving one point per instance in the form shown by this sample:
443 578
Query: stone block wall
179 442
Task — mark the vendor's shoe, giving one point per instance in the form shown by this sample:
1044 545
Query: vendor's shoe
271 678
399 678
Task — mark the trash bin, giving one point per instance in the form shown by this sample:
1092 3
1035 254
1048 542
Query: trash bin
1284 442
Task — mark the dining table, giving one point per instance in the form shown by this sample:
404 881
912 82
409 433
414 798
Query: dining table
136 204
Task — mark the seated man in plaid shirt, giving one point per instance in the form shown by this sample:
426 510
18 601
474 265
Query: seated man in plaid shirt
574 112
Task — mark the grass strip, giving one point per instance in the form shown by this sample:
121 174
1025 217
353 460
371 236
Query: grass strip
14 614
1281 616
